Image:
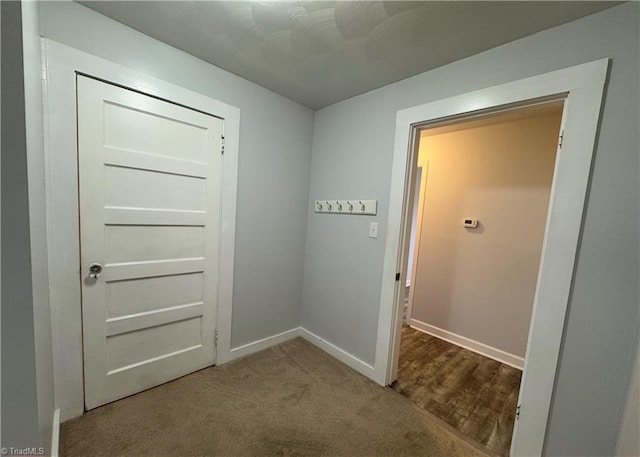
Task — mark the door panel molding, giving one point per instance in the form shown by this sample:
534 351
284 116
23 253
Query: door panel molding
132 322
151 162
150 269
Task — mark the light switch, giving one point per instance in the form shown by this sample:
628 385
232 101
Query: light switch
373 230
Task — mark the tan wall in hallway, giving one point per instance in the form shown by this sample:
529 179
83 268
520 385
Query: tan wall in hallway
480 283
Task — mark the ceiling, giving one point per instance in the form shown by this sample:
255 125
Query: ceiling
320 52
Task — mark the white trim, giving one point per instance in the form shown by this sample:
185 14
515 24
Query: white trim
582 88
55 434
418 234
343 356
60 66
467 343
262 344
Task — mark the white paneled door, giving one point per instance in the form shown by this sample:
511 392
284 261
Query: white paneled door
149 178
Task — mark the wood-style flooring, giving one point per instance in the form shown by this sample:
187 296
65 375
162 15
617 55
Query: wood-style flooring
474 394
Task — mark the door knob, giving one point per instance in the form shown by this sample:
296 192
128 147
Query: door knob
94 270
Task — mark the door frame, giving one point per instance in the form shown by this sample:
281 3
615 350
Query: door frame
61 64
420 190
581 87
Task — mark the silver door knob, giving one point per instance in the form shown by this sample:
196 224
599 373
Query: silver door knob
94 270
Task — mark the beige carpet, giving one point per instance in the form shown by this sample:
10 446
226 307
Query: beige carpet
290 400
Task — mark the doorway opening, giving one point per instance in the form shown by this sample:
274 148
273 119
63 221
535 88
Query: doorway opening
478 220
581 88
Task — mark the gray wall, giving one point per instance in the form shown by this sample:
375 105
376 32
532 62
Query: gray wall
480 283
274 163
352 153
629 440
27 402
37 217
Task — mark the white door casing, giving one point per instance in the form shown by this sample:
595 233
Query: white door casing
582 88
62 64
149 194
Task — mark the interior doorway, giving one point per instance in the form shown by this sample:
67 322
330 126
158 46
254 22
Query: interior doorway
478 220
581 87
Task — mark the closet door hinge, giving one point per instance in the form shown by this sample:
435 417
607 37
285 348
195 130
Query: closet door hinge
518 412
215 337
222 144
397 276
560 139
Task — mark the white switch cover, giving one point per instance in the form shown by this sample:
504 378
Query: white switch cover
373 230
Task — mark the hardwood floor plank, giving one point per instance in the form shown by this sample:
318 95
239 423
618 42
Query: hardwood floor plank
472 393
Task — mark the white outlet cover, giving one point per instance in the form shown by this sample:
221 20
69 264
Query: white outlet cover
373 230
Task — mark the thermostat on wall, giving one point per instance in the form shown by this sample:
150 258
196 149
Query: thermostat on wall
471 223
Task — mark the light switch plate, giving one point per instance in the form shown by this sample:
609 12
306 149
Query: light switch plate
373 230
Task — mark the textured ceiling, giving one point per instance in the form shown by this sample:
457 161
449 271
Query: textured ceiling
319 52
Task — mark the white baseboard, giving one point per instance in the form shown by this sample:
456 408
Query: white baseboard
343 356
333 350
55 433
468 343
264 343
